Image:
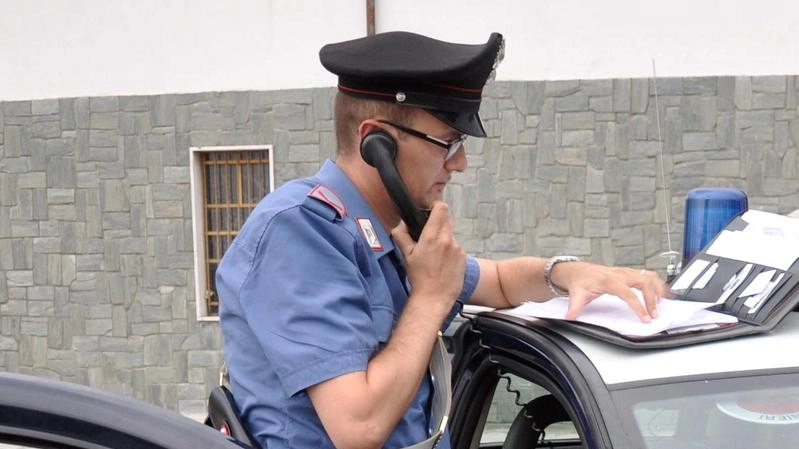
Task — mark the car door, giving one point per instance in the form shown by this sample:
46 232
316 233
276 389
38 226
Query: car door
516 387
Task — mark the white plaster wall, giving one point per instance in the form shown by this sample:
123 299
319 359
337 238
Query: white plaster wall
579 39
60 48
66 48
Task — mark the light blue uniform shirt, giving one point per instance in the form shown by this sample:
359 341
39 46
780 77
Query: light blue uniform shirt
305 296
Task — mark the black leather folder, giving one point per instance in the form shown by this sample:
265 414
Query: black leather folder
753 317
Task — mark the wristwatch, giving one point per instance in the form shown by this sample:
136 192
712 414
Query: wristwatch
548 272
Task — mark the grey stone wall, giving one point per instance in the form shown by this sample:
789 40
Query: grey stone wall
573 166
96 276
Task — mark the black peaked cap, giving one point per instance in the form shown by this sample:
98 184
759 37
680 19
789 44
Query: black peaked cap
444 78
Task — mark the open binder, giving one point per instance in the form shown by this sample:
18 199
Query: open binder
750 271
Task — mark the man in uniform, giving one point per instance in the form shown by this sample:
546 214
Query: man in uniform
329 308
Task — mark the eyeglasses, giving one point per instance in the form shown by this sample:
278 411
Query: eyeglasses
452 146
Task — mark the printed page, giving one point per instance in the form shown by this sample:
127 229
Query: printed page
614 313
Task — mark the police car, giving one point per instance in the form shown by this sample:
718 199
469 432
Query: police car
523 383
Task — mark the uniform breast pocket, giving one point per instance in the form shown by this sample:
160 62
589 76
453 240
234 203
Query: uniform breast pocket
383 315
387 297
384 323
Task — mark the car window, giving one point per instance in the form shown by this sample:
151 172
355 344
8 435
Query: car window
762 421
752 412
510 395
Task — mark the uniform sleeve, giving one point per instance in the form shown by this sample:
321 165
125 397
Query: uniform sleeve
306 300
470 279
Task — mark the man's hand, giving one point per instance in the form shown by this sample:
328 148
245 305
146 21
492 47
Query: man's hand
586 281
436 263
360 409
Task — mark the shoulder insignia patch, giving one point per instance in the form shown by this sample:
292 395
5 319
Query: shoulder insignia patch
328 196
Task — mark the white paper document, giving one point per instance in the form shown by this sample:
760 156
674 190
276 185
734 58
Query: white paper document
614 313
778 226
734 282
755 248
757 300
769 239
689 274
758 284
706 277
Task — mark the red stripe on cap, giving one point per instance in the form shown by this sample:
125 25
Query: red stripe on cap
461 89
365 92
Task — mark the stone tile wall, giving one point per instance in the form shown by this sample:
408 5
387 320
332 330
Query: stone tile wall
96 275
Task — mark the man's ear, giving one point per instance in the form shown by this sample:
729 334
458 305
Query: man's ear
367 126
376 143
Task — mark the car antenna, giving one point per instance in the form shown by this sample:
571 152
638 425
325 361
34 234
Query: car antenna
672 267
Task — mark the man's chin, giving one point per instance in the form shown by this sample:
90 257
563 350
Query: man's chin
427 203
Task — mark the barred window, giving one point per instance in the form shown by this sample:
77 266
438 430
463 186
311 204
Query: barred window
227 183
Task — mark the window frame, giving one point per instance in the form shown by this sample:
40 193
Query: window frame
492 341
199 216
538 377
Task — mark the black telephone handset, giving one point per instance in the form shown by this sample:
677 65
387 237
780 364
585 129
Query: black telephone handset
379 150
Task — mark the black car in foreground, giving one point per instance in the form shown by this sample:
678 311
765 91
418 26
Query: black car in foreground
44 413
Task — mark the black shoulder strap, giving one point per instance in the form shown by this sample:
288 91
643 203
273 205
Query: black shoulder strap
223 415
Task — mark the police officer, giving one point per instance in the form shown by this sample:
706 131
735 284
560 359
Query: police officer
329 308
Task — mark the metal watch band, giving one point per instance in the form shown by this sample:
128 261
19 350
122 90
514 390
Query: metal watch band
548 272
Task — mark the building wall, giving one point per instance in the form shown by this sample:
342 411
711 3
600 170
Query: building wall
96 275
58 49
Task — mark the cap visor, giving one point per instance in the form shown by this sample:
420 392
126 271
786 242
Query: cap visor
465 122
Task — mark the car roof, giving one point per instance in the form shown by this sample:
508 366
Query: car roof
93 415
616 365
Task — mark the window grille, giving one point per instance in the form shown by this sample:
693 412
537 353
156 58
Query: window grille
231 181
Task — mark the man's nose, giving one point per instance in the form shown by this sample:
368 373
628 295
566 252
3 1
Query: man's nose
458 161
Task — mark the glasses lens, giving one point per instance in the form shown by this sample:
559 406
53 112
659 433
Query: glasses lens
453 147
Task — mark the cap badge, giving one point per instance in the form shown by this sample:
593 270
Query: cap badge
400 97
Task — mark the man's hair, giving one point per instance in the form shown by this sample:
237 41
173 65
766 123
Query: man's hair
350 111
